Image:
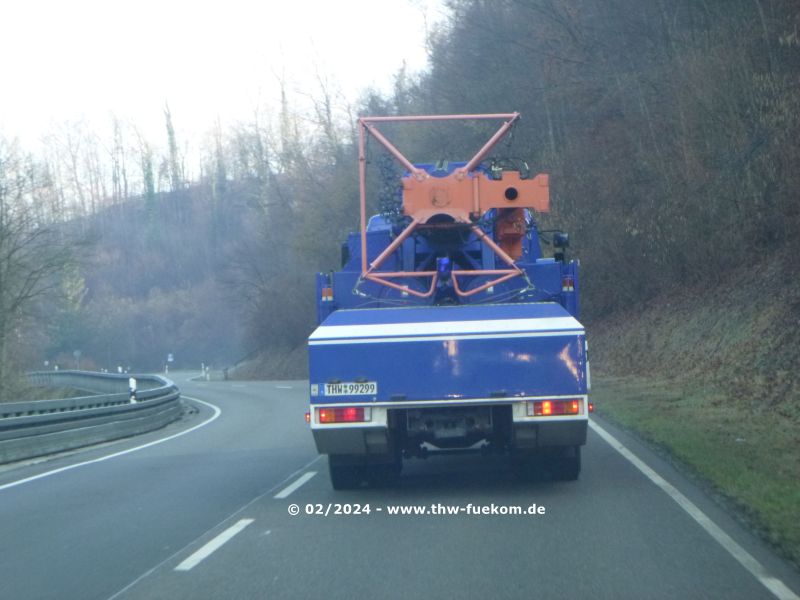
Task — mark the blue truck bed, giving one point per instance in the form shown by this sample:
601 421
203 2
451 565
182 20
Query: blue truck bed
390 383
483 352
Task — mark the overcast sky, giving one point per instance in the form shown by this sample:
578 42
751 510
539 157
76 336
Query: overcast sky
72 59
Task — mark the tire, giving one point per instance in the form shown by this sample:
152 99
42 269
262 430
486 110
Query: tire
385 474
526 466
345 477
567 468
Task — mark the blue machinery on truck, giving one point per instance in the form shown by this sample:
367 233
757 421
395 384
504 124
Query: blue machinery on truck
445 329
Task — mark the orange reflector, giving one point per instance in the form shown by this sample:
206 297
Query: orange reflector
308 417
591 407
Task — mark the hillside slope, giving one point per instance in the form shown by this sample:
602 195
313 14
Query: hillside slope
707 374
739 333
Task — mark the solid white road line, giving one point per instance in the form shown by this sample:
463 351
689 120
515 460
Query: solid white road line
284 493
217 413
212 546
774 585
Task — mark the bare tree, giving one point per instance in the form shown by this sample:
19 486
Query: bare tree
119 172
32 254
176 171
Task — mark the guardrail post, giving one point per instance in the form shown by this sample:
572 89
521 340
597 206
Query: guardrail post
132 389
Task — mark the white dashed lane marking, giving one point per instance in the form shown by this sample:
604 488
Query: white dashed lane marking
284 493
212 546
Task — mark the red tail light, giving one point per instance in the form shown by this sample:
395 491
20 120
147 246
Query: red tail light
348 414
568 284
552 408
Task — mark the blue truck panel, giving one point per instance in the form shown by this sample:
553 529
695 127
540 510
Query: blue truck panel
455 368
466 352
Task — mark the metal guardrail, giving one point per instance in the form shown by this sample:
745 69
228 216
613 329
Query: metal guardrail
41 427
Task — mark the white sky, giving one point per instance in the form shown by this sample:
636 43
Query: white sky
84 59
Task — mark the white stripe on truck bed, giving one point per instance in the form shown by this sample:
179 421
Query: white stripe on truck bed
549 325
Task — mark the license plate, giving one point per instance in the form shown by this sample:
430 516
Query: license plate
356 388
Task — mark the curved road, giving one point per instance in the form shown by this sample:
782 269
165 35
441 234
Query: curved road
196 516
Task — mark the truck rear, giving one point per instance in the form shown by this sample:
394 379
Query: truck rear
445 329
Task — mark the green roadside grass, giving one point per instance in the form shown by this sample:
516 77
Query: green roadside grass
749 457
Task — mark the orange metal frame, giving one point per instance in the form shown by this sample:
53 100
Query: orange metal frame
463 195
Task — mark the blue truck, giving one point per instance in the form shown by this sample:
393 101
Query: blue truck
446 330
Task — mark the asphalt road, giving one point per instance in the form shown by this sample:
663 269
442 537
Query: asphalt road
196 517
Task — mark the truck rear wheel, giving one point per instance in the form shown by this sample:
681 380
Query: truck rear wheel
343 476
385 474
568 467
